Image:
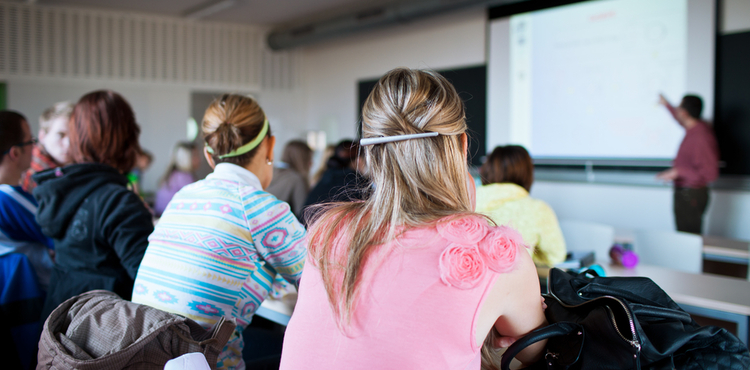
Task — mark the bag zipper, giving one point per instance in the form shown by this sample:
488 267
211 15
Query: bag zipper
634 342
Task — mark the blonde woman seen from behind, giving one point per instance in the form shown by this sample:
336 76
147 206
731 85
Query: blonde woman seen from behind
222 240
411 277
507 176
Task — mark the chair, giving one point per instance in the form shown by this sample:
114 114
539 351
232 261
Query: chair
588 236
671 249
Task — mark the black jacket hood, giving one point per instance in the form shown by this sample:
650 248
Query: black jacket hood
61 191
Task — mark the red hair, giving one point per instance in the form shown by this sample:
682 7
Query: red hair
102 129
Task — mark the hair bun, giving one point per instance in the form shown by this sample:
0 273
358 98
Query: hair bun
229 138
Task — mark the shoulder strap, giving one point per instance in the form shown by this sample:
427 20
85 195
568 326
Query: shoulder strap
554 330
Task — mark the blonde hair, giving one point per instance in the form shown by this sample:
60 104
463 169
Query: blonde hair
231 121
416 182
62 109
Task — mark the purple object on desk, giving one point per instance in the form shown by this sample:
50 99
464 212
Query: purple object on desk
622 256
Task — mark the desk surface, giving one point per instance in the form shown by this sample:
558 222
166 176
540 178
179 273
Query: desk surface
278 310
699 290
714 245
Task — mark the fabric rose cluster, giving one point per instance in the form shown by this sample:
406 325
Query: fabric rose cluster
474 248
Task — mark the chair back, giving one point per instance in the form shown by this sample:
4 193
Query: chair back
588 236
672 249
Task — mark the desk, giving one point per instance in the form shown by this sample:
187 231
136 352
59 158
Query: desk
706 295
726 250
278 310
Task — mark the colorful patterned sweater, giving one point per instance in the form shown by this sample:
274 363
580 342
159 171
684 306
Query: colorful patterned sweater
216 250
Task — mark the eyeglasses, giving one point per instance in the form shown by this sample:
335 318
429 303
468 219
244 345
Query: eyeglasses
30 142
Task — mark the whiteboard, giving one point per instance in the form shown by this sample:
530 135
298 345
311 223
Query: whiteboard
582 80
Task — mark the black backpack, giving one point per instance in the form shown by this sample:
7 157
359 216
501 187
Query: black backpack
624 323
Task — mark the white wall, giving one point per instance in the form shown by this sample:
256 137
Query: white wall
333 69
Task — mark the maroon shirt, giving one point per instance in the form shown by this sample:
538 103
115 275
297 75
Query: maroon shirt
697 160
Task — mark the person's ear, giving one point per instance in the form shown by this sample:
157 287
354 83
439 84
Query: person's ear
209 158
15 152
465 144
271 145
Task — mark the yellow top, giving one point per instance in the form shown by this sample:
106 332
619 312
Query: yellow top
510 204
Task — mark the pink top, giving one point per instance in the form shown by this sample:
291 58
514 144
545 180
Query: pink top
420 300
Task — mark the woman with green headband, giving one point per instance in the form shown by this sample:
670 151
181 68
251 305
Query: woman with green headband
222 240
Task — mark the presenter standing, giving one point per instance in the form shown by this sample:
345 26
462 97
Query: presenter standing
696 164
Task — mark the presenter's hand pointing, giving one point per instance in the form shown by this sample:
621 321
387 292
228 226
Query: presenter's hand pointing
668 175
663 100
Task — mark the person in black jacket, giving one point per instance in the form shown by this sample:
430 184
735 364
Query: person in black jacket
343 180
99 227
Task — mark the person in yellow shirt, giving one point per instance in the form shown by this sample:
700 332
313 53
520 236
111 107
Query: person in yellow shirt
507 176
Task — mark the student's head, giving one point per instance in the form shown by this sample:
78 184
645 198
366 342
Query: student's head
345 155
184 157
53 131
237 131
511 163
298 156
420 176
415 182
143 160
103 130
692 105
15 142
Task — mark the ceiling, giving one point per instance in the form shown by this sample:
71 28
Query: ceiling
257 12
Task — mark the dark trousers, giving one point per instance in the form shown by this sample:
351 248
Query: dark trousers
689 205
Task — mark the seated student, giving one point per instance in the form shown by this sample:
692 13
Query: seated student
142 163
52 149
181 172
290 176
222 240
411 278
507 176
100 228
19 232
342 179
328 152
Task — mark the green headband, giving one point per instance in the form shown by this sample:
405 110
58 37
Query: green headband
247 147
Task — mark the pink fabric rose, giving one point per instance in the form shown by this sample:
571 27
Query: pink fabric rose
499 248
461 266
467 230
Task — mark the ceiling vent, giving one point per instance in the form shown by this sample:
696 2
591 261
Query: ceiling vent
377 17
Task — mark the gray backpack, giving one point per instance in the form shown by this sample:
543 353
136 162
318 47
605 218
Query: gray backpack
99 330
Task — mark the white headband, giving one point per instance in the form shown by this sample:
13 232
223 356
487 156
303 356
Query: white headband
389 139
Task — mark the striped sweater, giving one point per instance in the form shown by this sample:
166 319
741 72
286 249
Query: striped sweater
216 250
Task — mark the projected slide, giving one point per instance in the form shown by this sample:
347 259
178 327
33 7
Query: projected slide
583 80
